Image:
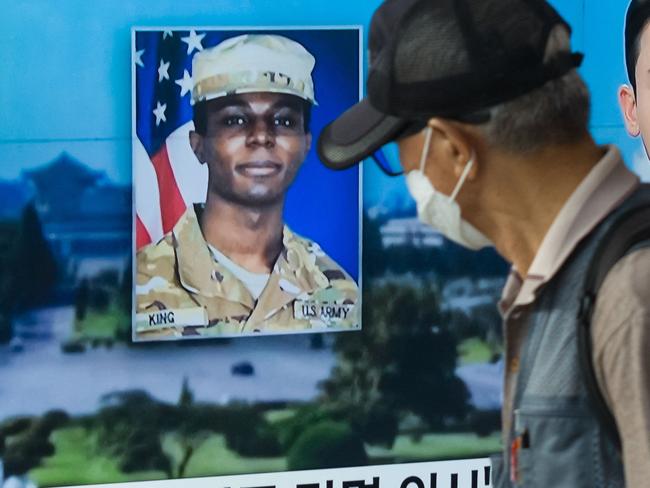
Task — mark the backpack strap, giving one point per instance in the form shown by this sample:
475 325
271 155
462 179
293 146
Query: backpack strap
629 231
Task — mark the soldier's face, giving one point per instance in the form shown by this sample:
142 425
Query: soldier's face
254 145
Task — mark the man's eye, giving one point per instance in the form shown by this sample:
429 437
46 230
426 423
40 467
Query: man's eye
284 122
235 120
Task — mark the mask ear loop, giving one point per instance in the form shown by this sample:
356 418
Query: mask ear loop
463 176
425 149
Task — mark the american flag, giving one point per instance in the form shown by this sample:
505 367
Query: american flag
167 175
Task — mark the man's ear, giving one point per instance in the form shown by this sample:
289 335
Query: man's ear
196 143
627 101
454 144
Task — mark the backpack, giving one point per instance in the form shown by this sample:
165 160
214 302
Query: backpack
630 232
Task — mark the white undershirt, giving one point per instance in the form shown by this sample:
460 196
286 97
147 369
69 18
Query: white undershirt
255 282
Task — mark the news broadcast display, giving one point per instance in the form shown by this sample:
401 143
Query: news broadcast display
388 375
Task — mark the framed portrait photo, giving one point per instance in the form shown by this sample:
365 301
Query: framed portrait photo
238 228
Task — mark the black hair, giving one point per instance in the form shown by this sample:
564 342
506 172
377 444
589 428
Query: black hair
202 109
638 15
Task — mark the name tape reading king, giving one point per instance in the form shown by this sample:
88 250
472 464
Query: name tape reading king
161 319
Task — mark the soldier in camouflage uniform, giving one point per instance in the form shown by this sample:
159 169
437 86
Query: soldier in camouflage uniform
252 96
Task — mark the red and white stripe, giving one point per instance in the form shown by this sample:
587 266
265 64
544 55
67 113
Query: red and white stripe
165 185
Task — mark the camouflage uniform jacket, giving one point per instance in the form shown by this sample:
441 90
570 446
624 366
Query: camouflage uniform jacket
307 291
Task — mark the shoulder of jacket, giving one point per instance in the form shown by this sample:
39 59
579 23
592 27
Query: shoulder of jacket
157 259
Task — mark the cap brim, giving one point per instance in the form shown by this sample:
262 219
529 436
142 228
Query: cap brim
356 134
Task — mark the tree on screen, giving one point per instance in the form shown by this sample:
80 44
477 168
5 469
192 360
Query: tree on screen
327 444
191 431
144 434
25 441
8 233
402 362
33 271
27 268
129 428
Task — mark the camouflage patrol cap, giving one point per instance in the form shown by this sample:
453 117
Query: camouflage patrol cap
253 63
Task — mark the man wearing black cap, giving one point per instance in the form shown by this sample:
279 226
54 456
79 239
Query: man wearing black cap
490 116
634 99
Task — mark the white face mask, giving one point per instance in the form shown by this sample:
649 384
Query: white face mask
440 211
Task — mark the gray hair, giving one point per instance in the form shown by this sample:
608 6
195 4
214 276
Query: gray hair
556 113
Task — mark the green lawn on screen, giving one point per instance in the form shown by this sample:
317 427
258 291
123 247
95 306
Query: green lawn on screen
437 446
101 325
77 460
473 351
214 458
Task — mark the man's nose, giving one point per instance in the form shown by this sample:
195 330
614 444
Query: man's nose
261 134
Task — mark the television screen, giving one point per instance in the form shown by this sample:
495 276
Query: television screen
188 297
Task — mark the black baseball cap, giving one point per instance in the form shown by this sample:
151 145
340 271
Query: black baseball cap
445 58
638 14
